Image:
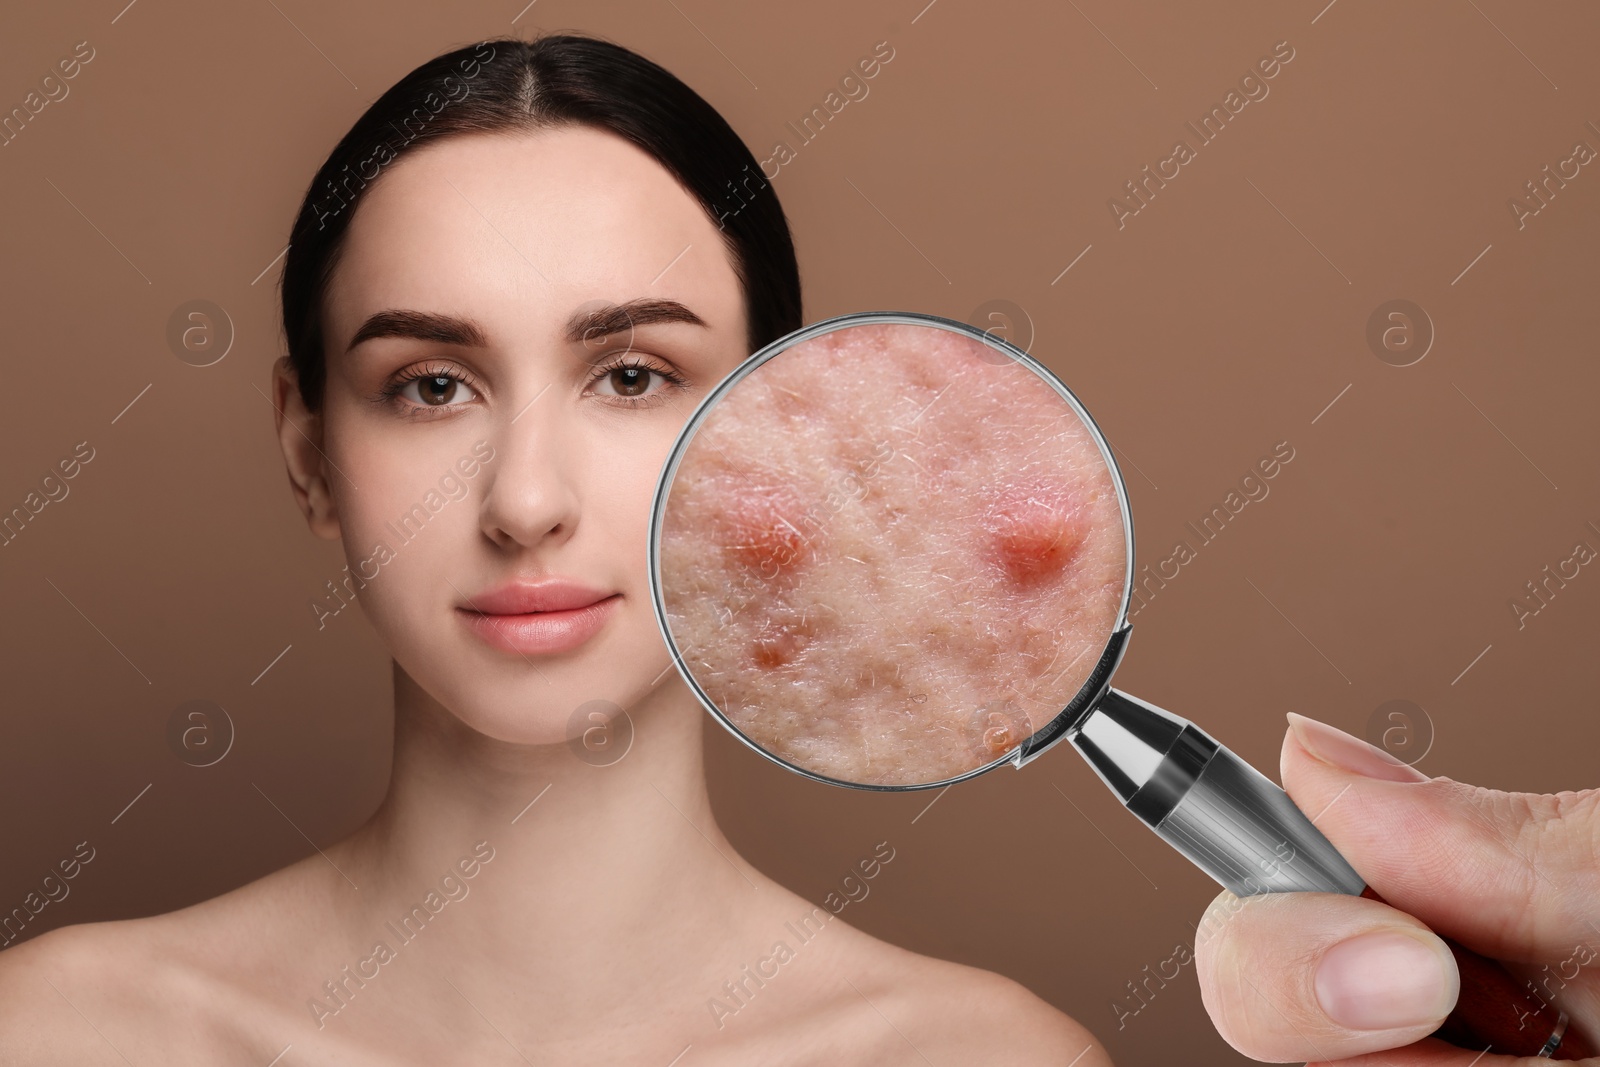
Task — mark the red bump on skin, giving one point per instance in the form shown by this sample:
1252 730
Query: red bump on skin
769 653
778 644
1035 534
761 529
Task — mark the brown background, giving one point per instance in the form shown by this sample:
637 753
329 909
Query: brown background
1224 318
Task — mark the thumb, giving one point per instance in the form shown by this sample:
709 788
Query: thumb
1513 876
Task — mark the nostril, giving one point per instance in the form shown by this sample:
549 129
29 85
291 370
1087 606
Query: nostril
1035 532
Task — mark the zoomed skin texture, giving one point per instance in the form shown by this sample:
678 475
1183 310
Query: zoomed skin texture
890 554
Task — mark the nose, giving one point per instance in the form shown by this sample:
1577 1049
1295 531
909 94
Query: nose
533 493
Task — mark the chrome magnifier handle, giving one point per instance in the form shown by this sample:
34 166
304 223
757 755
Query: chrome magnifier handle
1228 818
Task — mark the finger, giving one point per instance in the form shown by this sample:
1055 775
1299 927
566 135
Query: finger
1510 875
1431 1052
1567 987
1320 976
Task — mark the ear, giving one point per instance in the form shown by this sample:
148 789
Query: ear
300 437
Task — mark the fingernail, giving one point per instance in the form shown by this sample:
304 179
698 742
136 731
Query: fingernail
1350 753
1387 980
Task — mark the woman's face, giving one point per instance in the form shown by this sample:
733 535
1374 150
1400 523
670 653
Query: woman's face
518 327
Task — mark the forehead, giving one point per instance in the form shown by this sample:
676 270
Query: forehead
542 221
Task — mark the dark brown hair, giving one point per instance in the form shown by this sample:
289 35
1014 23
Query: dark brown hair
508 84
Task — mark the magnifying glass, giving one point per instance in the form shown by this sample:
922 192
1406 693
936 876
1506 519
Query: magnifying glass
891 551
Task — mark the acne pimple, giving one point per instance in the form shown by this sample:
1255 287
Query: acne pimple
1034 533
760 528
779 643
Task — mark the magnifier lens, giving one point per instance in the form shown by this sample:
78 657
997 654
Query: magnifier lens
890 552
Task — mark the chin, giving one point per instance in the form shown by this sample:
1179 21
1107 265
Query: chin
540 700
517 720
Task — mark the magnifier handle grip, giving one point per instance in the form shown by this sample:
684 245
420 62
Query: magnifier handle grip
1235 824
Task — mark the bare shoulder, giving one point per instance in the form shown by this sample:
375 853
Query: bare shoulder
975 1016
109 991
41 1022
933 1009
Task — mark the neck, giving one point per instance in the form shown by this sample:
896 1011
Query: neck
590 864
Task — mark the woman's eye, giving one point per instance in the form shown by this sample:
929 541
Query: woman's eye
437 391
628 381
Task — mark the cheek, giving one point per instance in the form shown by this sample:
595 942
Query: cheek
402 534
618 493
380 469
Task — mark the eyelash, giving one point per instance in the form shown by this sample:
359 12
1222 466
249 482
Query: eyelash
674 379
390 393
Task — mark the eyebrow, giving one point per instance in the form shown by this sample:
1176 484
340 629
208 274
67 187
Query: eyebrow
582 326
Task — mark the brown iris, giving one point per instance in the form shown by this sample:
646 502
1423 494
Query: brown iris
436 390
630 381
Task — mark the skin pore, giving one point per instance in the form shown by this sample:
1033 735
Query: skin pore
613 907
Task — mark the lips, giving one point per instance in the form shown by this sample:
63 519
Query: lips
538 618
524 598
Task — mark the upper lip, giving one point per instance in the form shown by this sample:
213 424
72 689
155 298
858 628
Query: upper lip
523 598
